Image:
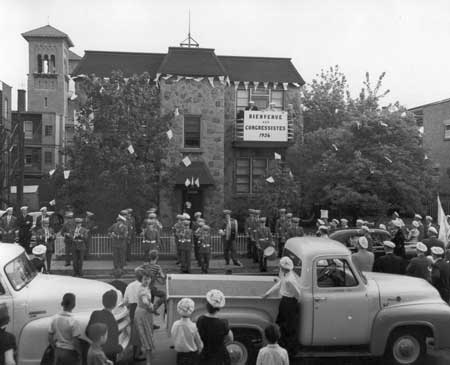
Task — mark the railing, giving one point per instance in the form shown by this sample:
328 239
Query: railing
101 246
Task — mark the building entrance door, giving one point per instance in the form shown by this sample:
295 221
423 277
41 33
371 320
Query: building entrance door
195 196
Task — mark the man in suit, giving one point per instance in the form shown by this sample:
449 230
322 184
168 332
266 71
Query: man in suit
67 232
420 266
229 232
432 240
264 239
46 236
389 263
8 226
119 234
440 273
25 223
80 238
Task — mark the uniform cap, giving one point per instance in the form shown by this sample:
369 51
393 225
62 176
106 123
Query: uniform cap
365 228
286 263
359 221
39 250
24 208
335 221
289 215
226 211
215 298
323 228
179 216
282 210
321 222
362 241
436 250
69 214
43 209
382 226
395 214
415 224
389 244
186 216
78 220
296 219
262 219
9 209
417 216
185 307
397 223
121 218
433 230
197 214
152 215
421 247
344 220
430 218
130 210
124 212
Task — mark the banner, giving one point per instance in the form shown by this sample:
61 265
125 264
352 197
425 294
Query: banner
444 228
268 126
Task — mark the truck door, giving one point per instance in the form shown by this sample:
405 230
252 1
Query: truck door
6 299
341 304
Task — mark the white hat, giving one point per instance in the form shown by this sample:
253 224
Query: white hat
24 208
430 218
269 251
286 263
359 221
42 209
362 241
418 216
186 216
415 224
321 222
39 250
389 244
421 247
215 298
436 250
185 307
395 214
365 228
397 223
432 230
343 220
323 228
335 221
382 226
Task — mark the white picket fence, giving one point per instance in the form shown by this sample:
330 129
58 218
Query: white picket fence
101 246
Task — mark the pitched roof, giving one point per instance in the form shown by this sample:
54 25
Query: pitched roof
191 62
103 63
47 31
241 68
73 56
430 104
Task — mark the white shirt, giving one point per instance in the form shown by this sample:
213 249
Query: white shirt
185 336
272 354
65 330
131 292
288 286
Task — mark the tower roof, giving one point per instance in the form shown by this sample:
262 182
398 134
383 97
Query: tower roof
47 31
74 56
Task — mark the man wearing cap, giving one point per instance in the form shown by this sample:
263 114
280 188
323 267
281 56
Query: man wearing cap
281 226
8 226
395 229
151 238
204 247
176 230
249 232
295 230
80 236
39 219
427 225
90 225
229 232
289 310
25 223
38 260
440 273
187 208
420 266
418 219
195 226
186 238
67 231
334 225
414 233
119 234
264 240
322 232
433 240
359 223
344 223
363 259
389 263
366 233
46 236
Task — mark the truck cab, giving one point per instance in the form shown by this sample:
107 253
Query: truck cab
344 312
33 299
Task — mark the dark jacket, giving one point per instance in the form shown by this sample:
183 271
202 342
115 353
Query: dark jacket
440 278
111 348
433 242
419 267
399 240
389 264
25 224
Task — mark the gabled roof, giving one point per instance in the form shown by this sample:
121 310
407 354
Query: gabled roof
102 63
47 31
73 56
429 104
268 69
191 62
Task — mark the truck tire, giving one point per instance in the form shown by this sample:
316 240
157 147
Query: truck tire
406 346
243 350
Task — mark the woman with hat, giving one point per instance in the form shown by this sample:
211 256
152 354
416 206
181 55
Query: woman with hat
289 308
7 340
214 331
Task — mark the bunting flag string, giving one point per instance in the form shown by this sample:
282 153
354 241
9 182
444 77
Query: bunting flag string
199 79
167 77
179 78
211 81
236 85
51 172
227 80
296 84
285 85
277 156
270 179
246 84
66 174
158 75
266 85
222 80
187 182
255 85
189 77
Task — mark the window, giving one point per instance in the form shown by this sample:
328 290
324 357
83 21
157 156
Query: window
447 130
333 273
249 173
52 64
277 99
45 102
28 129
48 130
261 97
241 100
20 272
39 63
28 159
48 157
45 65
192 131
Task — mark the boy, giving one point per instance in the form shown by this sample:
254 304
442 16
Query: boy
186 339
272 354
97 333
156 275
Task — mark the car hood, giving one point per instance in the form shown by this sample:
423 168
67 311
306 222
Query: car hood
45 292
402 289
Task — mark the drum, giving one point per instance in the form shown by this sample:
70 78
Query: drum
270 253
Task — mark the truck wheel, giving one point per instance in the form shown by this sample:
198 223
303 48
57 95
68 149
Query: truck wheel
406 347
242 350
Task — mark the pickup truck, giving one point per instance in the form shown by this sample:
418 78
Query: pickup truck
33 298
344 312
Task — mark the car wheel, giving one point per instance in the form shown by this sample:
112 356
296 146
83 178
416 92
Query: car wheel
406 347
242 350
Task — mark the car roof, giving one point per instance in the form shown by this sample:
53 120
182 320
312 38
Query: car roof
356 231
308 247
9 251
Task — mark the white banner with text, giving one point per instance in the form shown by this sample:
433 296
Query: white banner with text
265 126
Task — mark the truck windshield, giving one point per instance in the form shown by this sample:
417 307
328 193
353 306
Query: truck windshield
20 271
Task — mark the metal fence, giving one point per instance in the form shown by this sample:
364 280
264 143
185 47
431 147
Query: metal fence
101 246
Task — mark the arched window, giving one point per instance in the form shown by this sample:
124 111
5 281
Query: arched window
52 64
45 65
39 63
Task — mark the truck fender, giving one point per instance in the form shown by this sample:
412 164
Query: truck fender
247 318
433 318
33 341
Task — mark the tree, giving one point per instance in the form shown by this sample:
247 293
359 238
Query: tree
118 147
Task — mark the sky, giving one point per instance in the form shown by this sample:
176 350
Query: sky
407 39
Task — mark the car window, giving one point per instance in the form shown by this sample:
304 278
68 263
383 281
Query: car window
334 272
20 271
295 259
2 290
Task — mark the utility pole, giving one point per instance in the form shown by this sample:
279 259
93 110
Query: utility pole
20 160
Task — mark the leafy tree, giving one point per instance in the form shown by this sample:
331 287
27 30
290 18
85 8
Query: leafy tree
118 147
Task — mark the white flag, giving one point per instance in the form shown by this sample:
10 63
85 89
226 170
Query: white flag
255 85
285 85
192 180
277 156
187 182
444 228
266 85
169 134
176 112
51 172
66 174
198 79
387 159
131 149
211 81
246 85
236 85
179 78
383 124
270 180
53 202
187 161
222 80
197 182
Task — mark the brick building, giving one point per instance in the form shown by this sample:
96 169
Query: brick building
435 119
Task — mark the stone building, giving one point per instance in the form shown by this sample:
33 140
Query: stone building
5 133
435 119
230 146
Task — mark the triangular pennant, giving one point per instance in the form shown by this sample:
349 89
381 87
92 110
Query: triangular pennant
197 182
236 85
73 97
130 149
383 124
169 134
227 80
179 78
277 156
285 85
126 80
198 79
426 157
270 180
188 77
211 81
246 84
266 85
296 84
275 84
52 202
176 112
387 159
192 180
167 77
222 80
158 75
51 172
255 85
66 174
291 175
187 161
335 147
187 182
